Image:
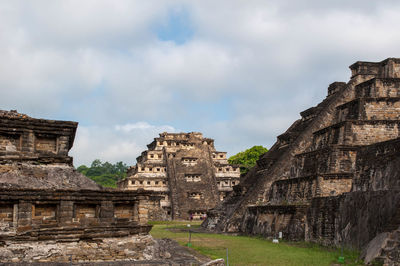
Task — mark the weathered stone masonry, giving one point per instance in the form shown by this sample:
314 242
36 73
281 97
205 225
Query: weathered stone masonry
71 215
333 176
24 138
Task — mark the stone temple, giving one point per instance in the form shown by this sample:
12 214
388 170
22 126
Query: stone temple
334 176
187 171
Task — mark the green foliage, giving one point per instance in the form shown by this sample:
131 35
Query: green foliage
248 158
105 174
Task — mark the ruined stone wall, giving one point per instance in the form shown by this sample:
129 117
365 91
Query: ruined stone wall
388 108
294 190
332 185
365 133
84 226
378 167
303 189
26 211
379 87
332 159
133 248
357 132
26 138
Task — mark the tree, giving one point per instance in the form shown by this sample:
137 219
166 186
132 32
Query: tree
248 158
83 169
105 174
96 163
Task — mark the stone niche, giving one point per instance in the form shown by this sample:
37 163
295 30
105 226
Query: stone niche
124 211
6 213
195 195
189 161
10 142
193 177
46 143
44 213
84 211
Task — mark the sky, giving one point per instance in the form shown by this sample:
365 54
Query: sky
237 71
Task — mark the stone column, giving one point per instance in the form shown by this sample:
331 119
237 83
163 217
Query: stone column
106 211
15 215
24 214
31 142
136 211
143 210
66 212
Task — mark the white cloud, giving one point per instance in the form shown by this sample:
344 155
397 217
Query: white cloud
143 126
258 63
113 144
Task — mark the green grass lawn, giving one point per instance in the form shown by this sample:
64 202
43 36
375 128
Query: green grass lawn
244 250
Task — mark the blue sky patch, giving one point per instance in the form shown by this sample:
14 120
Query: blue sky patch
178 27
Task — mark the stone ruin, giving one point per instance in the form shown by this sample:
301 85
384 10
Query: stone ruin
187 171
334 176
49 212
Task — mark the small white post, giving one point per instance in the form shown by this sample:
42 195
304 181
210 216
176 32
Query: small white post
227 257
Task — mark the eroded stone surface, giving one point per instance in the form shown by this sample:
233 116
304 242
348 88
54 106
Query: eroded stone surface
141 249
108 249
55 176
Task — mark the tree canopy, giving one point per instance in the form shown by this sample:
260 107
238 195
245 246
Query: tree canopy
248 158
105 174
